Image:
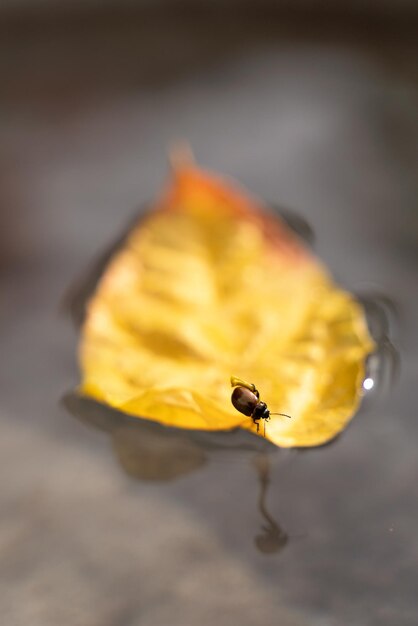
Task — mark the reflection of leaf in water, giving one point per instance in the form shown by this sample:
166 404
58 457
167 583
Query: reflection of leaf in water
145 450
207 285
150 451
153 457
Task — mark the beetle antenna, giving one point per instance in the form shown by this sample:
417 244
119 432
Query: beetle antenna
284 414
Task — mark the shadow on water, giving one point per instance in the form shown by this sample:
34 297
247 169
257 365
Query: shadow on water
150 451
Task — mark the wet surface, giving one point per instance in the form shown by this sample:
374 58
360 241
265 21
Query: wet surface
316 121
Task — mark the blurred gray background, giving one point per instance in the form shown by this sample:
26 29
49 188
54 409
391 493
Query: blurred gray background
312 106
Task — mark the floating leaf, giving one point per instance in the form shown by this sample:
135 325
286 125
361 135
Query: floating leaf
209 284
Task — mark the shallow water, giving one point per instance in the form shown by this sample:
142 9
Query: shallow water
90 534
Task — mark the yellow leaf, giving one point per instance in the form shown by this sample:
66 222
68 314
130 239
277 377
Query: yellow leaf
209 284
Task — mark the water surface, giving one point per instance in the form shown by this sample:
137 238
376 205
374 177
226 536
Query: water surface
320 120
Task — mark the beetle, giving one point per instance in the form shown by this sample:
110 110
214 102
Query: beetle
246 399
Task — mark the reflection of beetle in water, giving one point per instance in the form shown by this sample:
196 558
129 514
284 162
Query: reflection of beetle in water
272 537
246 399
